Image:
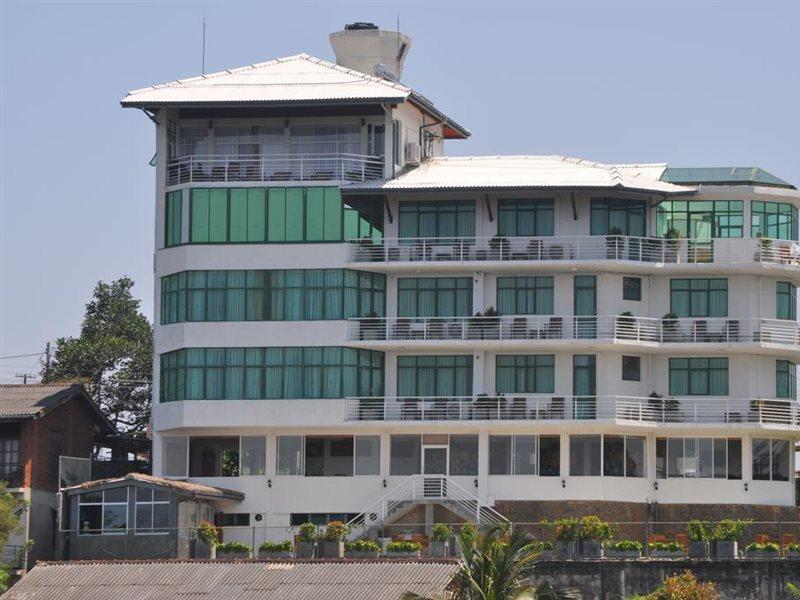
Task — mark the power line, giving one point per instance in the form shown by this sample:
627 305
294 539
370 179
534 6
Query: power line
21 355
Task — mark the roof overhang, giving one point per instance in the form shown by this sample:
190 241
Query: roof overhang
451 129
362 189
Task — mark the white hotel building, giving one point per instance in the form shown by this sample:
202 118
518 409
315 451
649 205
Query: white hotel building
347 319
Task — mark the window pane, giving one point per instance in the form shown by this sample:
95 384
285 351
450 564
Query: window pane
706 457
174 451
254 455
525 455
160 516
213 457
290 454
91 519
405 456
500 455
780 460
328 456
614 455
115 517
720 458
144 517
635 457
368 455
549 455
584 455
463 455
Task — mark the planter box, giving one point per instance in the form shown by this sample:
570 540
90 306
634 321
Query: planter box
591 549
413 554
545 555
204 551
761 554
565 549
332 549
726 549
627 554
667 554
361 554
699 549
304 549
438 550
231 555
274 554
793 554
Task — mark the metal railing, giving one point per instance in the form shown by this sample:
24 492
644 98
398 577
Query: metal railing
577 248
280 167
526 407
617 328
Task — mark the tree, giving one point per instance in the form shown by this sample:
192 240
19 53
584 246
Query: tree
11 509
113 354
683 586
499 565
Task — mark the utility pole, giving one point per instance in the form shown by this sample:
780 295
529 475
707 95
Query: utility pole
47 359
24 377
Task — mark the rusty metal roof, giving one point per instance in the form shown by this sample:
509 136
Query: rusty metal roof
34 400
188 487
228 580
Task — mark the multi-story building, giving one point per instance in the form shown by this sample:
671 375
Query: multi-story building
346 317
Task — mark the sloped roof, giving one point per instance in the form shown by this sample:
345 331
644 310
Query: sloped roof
187 487
515 172
723 176
242 580
19 401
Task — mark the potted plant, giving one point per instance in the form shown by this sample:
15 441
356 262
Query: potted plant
440 537
793 551
467 533
669 327
764 252
403 549
726 535
233 550
671 245
207 538
666 550
543 549
305 541
362 549
491 323
593 532
623 549
766 550
333 540
500 247
275 549
626 323
566 533
369 327
614 243
699 537
365 252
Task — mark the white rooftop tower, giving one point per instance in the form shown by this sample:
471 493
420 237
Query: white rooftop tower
368 49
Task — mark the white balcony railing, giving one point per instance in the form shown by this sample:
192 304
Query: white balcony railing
553 327
281 167
569 408
577 248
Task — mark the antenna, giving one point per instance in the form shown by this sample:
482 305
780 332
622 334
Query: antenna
397 55
204 45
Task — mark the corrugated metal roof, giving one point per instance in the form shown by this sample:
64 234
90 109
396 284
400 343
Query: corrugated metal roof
298 78
244 580
34 400
503 172
724 176
189 487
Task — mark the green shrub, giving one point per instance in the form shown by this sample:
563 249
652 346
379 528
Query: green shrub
767 547
566 529
441 532
468 532
594 528
335 531
666 546
308 532
683 587
539 546
362 546
699 531
207 533
276 546
729 530
403 547
625 545
233 547
793 547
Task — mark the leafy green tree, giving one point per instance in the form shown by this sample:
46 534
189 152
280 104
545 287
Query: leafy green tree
11 509
113 354
498 564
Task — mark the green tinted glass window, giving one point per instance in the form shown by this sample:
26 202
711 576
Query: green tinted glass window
627 217
439 375
434 297
698 376
173 213
525 295
437 219
525 217
199 216
699 297
218 216
525 374
785 379
775 220
786 301
702 219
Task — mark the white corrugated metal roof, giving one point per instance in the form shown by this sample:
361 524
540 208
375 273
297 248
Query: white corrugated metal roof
298 78
487 172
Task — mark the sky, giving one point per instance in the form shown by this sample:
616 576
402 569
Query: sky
688 83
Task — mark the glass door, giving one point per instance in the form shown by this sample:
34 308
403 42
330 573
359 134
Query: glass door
434 464
585 306
584 386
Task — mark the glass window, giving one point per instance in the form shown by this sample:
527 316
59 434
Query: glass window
368 455
525 374
174 451
525 217
584 455
785 379
254 455
405 456
438 375
434 297
627 217
699 297
771 459
329 456
623 456
290 455
500 452
549 455
704 458
446 219
775 220
463 455
632 288
173 221
103 512
525 295
631 368
698 376
635 456
786 301
152 511
213 457
513 455
9 458
702 219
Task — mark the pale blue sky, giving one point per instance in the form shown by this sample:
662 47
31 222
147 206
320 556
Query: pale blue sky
689 83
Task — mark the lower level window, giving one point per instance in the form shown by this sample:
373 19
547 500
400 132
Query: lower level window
524 455
232 519
584 455
329 456
152 511
698 376
770 459
216 456
708 458
624 456
297 519
785 379
104 511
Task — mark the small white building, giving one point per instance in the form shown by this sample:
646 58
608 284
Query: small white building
348 321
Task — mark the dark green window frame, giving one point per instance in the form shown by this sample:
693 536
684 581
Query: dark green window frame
271 295
629 216
173 218
525 217
525 373
776 220
525 295
446 219
698 376
270 373
785 379
786 301
434 297
725 216
431 376
698 297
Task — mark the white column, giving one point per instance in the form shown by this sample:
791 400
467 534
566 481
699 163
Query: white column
478 292
483 491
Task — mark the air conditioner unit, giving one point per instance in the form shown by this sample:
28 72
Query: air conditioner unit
412 153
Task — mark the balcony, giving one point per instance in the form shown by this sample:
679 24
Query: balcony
514 251
549 329
521 407
274 168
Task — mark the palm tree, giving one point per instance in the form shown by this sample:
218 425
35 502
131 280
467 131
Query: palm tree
498 565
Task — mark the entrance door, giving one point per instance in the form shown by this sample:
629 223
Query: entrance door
585 306
434 464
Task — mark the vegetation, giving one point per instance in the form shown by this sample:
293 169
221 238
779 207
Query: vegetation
699 531
11 509
113 354
285 546
335 531
566 529
729 530
308 532
666 546
395 547
793 547
207 533
793 589
594 528
441 532
766 547
362 546
625 545
233 547
539 546
468 532
682 587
